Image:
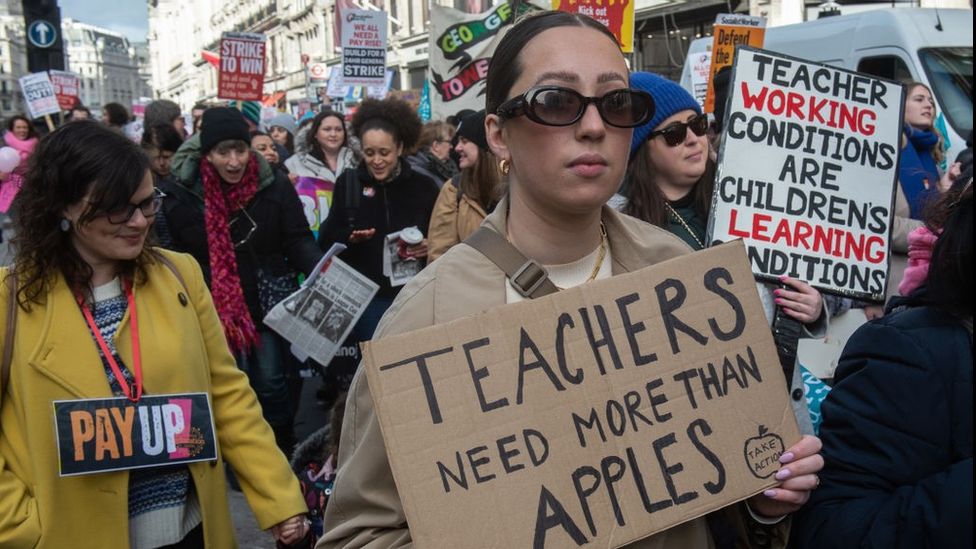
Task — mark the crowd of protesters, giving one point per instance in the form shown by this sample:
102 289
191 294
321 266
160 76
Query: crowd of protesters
210 208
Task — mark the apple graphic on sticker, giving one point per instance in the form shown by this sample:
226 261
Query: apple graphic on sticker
762 453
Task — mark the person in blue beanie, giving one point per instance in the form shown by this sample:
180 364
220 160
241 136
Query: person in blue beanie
670 181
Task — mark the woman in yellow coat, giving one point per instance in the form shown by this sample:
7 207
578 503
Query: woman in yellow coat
99 315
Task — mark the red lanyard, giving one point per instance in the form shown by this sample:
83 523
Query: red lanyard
136 354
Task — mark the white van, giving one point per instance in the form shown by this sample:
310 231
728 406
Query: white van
934 46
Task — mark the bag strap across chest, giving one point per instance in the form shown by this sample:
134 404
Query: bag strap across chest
527 276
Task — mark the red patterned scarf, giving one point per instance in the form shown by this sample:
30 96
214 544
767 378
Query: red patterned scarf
220 200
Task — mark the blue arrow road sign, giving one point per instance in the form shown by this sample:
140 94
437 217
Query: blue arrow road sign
42 34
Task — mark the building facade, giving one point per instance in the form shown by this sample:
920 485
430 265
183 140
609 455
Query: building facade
13 57
106 62
183 33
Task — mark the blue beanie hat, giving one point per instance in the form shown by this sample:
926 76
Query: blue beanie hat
669 98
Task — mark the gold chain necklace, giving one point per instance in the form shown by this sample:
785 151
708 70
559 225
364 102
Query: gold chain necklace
599 259
674 213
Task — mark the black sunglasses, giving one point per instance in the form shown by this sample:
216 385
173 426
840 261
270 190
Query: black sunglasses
149 208
675 133
556 106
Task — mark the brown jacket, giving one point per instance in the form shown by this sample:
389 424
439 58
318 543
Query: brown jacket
452 221
365 510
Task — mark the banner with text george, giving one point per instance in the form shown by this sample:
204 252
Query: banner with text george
461 44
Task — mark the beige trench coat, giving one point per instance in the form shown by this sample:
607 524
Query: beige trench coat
364 509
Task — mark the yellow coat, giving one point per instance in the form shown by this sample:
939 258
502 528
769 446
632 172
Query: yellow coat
183 350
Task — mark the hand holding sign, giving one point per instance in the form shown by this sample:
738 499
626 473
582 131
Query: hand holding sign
805 304
801 463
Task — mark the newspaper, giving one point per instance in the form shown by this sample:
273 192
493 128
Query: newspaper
319 316
396 268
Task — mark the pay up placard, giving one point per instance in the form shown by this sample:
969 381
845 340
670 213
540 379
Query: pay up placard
806 172
112 434
241 75
598 415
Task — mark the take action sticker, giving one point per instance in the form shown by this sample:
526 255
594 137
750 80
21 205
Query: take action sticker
115 434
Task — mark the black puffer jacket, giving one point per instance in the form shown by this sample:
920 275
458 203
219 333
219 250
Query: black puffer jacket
281 242
898 439
406 201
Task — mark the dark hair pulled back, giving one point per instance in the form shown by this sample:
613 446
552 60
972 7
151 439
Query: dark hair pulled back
505 67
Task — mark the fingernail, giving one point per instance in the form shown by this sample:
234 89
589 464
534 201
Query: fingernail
776 292
783 474
778 301
769 493
786 458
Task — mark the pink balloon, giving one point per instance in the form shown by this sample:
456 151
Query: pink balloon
9 159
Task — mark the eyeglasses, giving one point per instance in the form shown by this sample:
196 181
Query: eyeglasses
556 106
149 208
250 231
675 134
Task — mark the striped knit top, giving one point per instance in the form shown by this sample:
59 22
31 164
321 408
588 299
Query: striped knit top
162 505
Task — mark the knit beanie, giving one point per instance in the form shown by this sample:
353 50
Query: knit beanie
283 120
252 111
220 124
472 128
669 98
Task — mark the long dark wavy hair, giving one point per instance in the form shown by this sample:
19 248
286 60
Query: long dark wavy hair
83 160
645 201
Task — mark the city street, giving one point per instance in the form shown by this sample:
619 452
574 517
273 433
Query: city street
311 417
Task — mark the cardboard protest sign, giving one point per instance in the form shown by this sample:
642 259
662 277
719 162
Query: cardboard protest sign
242 61
461 44
66 86
112 434
363 47
731 31
39 94
598 415
616 15
807 170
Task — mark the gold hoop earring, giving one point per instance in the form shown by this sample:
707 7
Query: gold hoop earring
504 166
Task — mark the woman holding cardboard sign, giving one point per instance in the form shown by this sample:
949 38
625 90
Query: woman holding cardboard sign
127 340
561 129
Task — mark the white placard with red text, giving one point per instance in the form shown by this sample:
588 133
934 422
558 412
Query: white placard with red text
807 169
